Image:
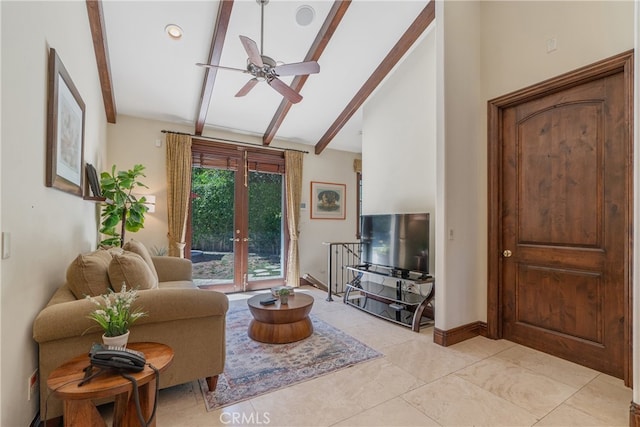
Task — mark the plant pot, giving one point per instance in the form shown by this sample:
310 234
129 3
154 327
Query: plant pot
284 299
119 341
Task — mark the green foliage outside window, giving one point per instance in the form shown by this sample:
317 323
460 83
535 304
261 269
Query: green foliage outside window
213 210
265 213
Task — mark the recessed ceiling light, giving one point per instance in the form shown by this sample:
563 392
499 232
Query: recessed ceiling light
305 15
173 31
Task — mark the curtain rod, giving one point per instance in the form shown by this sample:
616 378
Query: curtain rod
234 141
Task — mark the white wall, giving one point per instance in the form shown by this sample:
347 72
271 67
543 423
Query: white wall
132 140
399 140
48 227
461 147
586 32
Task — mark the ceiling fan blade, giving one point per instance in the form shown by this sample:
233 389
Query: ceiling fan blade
284 90
252 51
298 68
247 87
220 67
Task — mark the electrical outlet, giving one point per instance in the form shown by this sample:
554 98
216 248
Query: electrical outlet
32 384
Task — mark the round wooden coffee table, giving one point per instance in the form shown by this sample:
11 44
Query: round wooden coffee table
280 324
78 406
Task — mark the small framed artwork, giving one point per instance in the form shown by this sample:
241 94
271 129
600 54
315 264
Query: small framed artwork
328 200
65 130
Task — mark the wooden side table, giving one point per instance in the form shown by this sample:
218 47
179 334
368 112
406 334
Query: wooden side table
280 323
78 407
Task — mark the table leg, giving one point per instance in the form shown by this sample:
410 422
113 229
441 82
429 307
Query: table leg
147 394
82 413
119 409
417 316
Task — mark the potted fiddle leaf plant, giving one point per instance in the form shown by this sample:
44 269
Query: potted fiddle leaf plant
121 206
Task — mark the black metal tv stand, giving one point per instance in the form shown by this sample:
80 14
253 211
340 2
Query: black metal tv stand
407 300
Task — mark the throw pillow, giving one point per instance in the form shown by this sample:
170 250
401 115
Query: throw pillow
131 269
140 249
88 274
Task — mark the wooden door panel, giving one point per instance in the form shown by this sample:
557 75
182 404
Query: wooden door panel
560 301
558 199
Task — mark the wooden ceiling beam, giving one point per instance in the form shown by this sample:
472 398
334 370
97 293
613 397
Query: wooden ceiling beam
327 30
217 43
410 36
99 36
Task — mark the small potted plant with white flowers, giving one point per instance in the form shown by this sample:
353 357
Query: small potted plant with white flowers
115 315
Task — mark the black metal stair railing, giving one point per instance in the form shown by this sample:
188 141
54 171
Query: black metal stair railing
341 255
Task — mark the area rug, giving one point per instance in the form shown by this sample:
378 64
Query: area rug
253 368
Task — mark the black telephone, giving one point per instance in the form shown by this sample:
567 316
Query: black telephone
102 356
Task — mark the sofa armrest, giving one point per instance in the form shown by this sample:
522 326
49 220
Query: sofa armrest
172 269
70 319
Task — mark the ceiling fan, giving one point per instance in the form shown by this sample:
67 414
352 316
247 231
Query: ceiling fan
264 68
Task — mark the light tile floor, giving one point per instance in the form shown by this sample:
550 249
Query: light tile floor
478 382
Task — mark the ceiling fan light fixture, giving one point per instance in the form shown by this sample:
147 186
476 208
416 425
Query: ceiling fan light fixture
173 31
305 15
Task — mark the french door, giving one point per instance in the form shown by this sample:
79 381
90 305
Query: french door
237 232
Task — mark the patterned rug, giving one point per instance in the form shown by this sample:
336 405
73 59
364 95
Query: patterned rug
253 368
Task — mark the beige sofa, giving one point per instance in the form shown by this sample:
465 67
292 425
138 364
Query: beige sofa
191 321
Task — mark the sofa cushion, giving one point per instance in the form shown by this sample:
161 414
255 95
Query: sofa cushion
88 274
140 249
177 284
130 268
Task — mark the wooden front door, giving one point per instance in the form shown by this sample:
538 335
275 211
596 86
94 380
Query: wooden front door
564 221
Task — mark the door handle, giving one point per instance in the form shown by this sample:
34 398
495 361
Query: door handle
237 239
507 253
246 239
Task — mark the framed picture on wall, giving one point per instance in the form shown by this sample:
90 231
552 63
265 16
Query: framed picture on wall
328 200
65 130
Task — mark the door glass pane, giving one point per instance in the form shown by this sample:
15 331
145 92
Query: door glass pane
265 226
212 210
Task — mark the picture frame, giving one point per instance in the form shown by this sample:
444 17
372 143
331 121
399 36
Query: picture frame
65 130
328 200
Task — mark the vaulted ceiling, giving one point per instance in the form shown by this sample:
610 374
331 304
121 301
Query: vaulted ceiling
145 73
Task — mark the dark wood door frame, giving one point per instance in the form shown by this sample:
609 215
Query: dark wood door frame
619 63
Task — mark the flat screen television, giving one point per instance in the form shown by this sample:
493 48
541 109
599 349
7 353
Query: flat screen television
397 241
